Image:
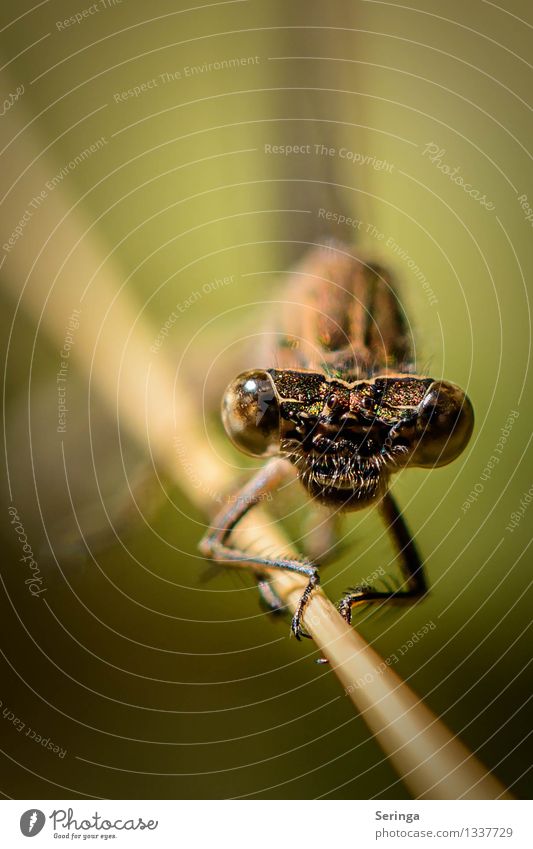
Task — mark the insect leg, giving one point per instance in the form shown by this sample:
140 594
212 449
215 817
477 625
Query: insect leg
414 583
269 597
217 546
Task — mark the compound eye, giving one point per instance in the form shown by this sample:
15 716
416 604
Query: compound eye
250 413
444 425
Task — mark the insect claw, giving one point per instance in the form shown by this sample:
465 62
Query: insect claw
295 626
345 609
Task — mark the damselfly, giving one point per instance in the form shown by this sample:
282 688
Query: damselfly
343 406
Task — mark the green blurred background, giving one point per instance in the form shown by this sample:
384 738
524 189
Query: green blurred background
157 680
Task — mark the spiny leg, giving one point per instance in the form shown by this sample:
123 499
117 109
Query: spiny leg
414 580
215 544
